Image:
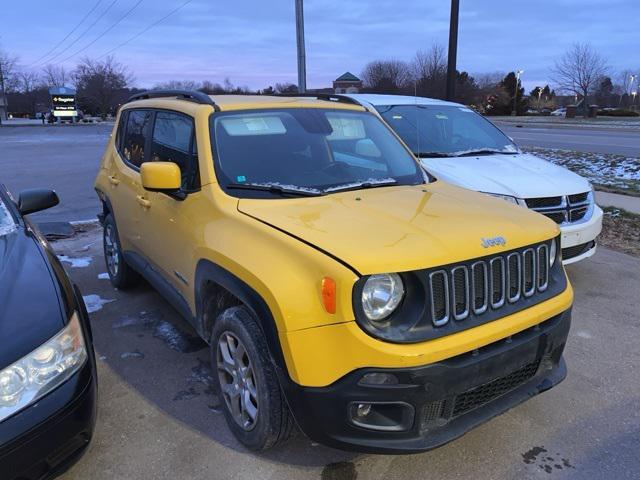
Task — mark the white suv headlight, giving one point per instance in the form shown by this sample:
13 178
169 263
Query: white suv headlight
42 370
553 251
381 295
507 198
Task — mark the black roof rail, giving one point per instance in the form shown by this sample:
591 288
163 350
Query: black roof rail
188 95
330 97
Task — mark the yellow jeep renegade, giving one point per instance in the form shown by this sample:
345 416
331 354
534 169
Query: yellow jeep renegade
337 284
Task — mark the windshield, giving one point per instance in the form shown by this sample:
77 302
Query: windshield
7 225
307 151
449 131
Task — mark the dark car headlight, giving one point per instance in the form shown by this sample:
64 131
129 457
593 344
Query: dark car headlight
51 364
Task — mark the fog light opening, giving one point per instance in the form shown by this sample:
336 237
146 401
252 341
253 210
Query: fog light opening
390 417
379 378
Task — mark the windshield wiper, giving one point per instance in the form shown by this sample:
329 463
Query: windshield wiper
480 151
360 185
276 188
431 154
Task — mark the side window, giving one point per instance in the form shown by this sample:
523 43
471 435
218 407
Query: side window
173 141
135 136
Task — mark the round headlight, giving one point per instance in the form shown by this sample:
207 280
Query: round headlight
553 251
381 295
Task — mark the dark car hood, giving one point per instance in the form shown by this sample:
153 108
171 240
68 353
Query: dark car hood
30 309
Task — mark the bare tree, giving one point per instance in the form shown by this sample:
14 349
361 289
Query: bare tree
429 71
55 75
579 71
178 85
101 84
28 84
387 76
7 80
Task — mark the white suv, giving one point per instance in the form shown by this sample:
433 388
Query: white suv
459 146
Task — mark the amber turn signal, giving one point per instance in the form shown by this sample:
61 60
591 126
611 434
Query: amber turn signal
329 294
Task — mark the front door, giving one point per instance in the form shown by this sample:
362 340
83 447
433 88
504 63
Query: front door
170 222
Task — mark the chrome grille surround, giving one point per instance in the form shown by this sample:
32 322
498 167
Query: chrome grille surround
529 272
515 259
438 319
542 279
457 289
564 210
484 281
496 279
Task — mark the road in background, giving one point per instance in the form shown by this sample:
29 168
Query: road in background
618 141
158 417
65 158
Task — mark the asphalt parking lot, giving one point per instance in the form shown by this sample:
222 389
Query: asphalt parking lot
158 418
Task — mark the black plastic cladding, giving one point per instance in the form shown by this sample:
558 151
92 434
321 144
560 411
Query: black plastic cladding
411 322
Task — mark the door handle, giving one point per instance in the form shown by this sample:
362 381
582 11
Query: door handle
143 201
113 180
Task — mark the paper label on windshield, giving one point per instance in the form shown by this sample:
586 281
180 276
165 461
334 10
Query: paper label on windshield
440 116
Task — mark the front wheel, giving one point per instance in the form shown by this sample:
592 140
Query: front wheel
120 273
253 404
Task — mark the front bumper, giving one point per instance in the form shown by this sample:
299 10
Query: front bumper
581 234
447 398
46 438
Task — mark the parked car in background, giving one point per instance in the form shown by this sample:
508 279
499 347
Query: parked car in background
461 147
560 112
336 283
47 364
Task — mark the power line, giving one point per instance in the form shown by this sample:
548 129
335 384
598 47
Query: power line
84 32
68 34
127 13
146 29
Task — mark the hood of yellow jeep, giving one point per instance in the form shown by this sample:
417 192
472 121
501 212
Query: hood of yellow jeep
401 228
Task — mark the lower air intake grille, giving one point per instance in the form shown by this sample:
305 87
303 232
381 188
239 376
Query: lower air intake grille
485 393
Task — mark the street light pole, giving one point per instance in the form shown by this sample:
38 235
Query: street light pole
515 93
453 50
302 60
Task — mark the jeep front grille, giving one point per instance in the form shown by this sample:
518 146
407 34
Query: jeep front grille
458 291
563 210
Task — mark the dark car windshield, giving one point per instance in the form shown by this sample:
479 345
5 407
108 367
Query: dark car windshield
445 130
7 225
307 151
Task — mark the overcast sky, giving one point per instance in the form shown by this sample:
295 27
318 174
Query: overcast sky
252 42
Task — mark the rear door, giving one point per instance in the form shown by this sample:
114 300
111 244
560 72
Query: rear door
127 195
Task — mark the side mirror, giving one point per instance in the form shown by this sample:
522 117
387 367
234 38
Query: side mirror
36 200
161 176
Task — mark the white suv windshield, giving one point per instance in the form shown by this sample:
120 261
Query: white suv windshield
308 151
445 130
7 225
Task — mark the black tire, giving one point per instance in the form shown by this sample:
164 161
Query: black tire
273 423
121 275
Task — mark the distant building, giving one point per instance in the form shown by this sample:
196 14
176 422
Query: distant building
347 83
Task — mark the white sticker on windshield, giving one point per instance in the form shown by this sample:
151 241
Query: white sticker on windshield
440 116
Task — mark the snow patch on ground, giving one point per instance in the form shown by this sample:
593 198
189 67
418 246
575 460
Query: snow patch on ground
616 171
103 276
583 334
95 303
76 262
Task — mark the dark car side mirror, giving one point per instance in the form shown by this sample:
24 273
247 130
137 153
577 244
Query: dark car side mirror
36 200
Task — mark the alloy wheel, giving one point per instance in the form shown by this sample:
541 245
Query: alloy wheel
237 380
111 250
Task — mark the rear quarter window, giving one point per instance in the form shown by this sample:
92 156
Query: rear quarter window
135 137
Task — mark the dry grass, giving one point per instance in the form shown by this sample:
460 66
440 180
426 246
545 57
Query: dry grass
621 231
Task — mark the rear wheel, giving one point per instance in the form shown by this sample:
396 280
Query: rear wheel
253 404
120 273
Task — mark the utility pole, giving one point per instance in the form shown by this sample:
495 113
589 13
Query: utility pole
453 50
302 59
